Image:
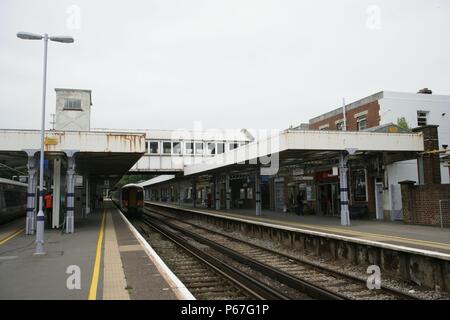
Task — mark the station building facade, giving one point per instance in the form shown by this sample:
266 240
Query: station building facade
378 112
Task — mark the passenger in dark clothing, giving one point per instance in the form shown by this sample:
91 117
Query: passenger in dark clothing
299 203
100 202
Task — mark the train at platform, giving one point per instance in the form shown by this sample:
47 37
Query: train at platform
130 199
13 200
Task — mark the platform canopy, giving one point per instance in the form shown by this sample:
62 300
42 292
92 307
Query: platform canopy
104 155
315 148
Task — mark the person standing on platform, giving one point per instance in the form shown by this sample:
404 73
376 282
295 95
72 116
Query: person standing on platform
48 199
299 203
100 202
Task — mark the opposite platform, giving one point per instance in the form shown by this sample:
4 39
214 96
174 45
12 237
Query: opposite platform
396 233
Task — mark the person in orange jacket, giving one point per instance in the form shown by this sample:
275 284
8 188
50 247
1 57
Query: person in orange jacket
48 199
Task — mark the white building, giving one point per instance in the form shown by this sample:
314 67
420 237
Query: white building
382 108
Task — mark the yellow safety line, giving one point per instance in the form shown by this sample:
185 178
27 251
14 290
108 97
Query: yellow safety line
98 257
14 234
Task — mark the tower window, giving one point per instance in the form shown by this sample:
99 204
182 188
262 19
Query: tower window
72 104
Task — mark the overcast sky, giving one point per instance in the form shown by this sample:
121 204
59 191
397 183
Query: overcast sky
164 64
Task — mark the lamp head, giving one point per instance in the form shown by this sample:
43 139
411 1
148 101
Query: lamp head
29 36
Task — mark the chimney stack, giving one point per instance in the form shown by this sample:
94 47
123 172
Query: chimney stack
425 91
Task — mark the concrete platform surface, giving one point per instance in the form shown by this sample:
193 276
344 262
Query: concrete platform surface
395 232
101 260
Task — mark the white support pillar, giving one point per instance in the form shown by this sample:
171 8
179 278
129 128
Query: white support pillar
56 192
217 192
227 192
87 190
30 228
258 191
343 179
70 197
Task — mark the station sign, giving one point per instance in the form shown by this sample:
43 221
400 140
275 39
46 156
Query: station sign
51 141
298 172
303 178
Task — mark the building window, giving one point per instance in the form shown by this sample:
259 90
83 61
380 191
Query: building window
220 147
72 104
359 185
324 127
176 147
233 145
340 126
146 146
189 146
167 147
361 123
199 148
422 118
211 150
154 147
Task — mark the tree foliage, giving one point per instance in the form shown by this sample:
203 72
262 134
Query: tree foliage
134 178
402 123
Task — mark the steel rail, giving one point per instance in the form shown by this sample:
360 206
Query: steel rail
304 286
323 269
253 286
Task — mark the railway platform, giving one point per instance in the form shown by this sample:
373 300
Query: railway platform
103 260
392 232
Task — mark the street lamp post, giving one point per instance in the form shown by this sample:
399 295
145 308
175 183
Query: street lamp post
40 219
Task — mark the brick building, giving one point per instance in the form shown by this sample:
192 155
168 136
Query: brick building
379 110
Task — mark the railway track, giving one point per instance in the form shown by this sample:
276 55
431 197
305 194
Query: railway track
314 280
205 275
